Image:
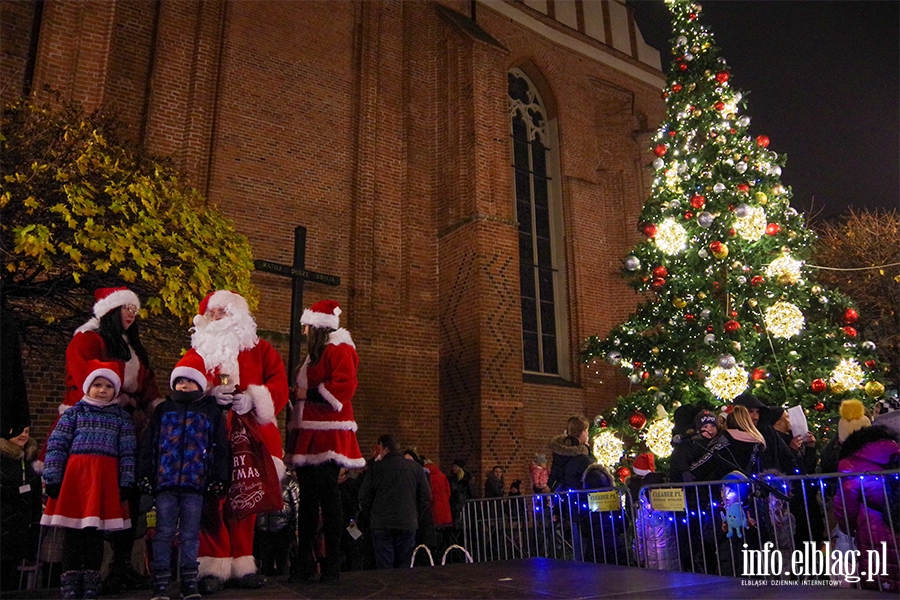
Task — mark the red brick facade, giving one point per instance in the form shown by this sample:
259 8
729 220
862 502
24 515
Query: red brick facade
383 127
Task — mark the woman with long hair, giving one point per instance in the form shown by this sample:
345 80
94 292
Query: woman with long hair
323 433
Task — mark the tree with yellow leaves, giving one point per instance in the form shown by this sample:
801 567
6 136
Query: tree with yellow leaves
82 208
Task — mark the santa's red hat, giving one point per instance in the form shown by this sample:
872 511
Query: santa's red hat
190 366
98 368
108 299
324 313
230 301
643 464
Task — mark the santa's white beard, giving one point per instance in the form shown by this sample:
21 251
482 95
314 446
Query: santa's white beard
220 342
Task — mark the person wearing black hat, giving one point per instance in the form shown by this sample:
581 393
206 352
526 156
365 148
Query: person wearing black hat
462 488
777 454
20 499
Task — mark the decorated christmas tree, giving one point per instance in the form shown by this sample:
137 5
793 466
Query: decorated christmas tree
730 304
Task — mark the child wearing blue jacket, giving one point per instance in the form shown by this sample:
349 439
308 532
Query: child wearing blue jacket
184 456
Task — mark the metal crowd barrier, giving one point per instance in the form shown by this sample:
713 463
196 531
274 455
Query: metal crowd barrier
838 530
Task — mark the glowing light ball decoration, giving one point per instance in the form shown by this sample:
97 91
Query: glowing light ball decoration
671 238
727 384
658 437
785 270
848 375
751 223
608 448
784 320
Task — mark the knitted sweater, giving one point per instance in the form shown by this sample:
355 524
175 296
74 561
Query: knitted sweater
89 429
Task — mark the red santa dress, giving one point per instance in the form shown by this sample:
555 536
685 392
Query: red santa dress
226 547
324 431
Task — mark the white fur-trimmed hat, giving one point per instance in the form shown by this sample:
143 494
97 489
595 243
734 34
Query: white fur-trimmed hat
191 366
232 301
97 368
108 299
324 313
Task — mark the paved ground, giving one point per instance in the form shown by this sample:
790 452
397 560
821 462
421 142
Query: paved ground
535 578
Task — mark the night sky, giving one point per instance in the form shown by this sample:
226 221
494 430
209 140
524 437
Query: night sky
821 79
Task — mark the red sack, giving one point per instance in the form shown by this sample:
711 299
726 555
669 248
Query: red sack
255 487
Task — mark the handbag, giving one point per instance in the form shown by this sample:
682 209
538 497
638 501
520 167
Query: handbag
255 487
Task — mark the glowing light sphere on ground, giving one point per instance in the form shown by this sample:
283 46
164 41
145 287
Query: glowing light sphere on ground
608 448
784 320
727 384
752 225
671 237
785 270
848 375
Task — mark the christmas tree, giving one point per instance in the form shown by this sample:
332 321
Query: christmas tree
729 303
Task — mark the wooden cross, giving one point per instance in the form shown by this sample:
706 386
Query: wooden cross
298 273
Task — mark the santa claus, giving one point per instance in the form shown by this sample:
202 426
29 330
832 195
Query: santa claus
247 375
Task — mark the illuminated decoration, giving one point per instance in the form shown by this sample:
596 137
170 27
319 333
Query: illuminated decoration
727 384
784 320
874 389
671 237
608 448
848 375
752 225
658 437
785 270
673 180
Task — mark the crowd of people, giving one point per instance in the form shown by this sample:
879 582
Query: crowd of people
231 506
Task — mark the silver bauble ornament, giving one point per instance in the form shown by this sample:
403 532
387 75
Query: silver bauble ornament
702 253
705 219
709 339
868 346
719 188
658 163
741 167
634 378
742 210
744 121
726 361
614 358
632 263
680 40
704 314
775 170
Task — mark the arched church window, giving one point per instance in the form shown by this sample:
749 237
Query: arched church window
538 211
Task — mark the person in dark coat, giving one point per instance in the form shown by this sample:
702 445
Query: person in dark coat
776 455
571 455
394 493
603 534
494 486
20 501
462 489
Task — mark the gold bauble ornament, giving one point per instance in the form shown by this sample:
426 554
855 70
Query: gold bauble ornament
816 289
762 198
722 252
679 302
654 350
701 295
874 389
752 302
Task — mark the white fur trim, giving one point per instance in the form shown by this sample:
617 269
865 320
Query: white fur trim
308 460
38 466
91 325
63 408
317 319
228 300
188 373
243 565
334 402
107 373
641 472
329 425
280 467
132 371
75 523
341 336
263 404
115 300
220 568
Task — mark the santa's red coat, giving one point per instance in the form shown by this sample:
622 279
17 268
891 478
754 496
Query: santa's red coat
326 431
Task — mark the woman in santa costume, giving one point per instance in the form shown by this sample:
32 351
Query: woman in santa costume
113 335
247 376
323 432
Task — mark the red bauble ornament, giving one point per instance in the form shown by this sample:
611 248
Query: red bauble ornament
871 363
603 423
645 375
818 386
719 105
732 325
697 201
658 283
757 280
732 131
637 420
660 150
622 473
733 314
649 229
850 331
688 215
709 329
732 232
673 133
692 16
676 87
851 316
773 229
715 247
722 76
659 271
682 67
688 317
820 406
637 364
743 188
759 374
762 141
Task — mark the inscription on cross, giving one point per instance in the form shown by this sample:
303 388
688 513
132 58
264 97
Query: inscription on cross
299 274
